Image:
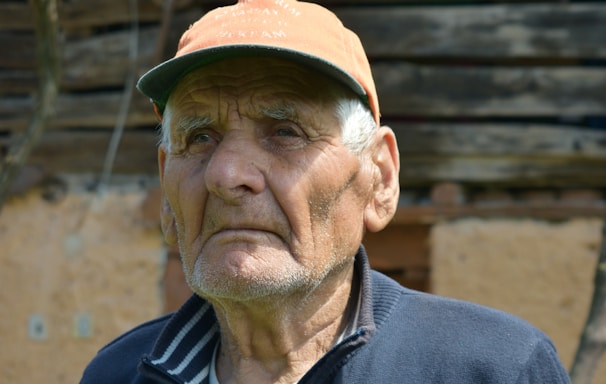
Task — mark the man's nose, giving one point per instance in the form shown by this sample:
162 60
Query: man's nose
234 169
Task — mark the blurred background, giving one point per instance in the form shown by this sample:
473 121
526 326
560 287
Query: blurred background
500 112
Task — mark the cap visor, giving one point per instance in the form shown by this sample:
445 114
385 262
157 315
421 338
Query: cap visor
158 82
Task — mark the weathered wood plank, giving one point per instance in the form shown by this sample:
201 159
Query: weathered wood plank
406 89
103 60
80 14
502 170
18 81
428 214
94 62
97 110
483 31
99 60
84 152
85 14
16 16
505 154
493 139
19 50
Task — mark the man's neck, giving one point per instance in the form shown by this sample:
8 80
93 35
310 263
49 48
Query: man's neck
278 341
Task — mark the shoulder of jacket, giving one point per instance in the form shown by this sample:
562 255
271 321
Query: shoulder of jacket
144 330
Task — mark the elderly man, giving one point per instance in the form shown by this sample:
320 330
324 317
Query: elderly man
273 164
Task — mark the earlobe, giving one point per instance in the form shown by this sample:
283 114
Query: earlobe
167 217
386 188
167 221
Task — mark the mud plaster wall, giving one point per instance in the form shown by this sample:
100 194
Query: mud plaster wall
542 272
74 274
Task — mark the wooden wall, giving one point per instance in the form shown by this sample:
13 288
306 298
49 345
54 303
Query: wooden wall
499 107
481 93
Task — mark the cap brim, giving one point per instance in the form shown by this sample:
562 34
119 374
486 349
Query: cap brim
158 82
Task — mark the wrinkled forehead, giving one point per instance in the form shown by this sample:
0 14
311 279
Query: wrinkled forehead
258 78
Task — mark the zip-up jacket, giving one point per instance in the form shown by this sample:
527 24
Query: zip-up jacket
403 336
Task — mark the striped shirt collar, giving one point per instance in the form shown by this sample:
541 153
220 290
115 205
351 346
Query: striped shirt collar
184 350
185 347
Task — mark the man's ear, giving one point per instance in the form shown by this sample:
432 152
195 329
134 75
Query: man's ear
167 221
386 183
167 217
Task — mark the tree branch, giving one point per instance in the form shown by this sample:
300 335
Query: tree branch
593 340
48 61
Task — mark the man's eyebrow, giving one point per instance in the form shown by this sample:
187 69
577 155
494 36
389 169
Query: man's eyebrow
192 123
281 112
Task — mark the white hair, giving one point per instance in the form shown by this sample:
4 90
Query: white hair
357 124
356 119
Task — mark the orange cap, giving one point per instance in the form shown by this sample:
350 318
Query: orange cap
302 32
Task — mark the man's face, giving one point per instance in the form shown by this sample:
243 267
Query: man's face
266 199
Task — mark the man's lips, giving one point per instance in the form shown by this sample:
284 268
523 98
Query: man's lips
241 230
243 233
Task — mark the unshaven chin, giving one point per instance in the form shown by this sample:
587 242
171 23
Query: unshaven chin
248 271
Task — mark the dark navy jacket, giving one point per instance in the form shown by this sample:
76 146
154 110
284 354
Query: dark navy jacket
404 336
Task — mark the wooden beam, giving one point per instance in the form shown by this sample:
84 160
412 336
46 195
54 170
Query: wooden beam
98 61
418 90
502 171
75 14
19 50
494 139
428 214
102 60
106 12
501 154
18 81
555 30
91 62
89 110
16 16
84 152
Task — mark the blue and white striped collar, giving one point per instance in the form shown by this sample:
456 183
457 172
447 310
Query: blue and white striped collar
184 350
185 347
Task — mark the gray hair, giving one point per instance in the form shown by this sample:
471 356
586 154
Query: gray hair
357 122
356 119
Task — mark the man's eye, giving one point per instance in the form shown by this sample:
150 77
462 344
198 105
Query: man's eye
200 138
201 141
286 132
